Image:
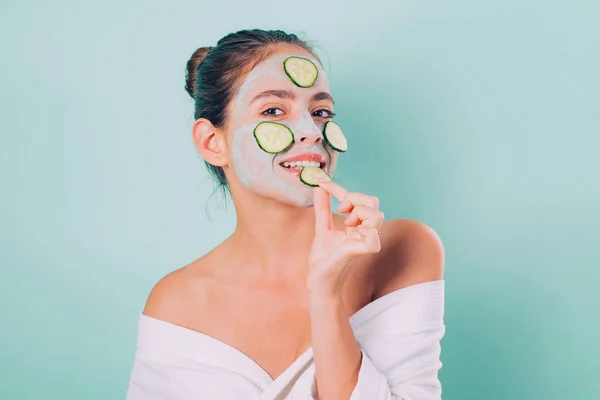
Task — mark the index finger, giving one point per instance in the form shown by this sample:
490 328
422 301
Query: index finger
336 190
322 204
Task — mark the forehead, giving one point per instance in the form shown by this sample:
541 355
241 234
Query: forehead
269 74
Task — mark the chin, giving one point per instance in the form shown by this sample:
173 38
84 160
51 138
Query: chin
306 203
296 194
299 200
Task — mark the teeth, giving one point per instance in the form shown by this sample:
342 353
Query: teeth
300 164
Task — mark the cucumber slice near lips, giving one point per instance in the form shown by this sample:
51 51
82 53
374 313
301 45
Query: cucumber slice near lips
273 137
335 137
301 71
312 175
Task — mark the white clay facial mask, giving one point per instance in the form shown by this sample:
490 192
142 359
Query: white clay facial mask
268 88
274 137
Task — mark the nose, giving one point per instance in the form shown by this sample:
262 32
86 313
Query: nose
310 138
308 132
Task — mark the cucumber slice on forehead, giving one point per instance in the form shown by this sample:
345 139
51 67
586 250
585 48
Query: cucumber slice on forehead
273 137
335 137
301 71
312 175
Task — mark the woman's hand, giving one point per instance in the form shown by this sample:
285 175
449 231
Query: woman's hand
332 250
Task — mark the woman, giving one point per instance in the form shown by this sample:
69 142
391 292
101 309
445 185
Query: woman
299 302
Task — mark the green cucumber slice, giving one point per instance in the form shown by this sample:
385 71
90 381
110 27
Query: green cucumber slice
273 137
301 71
335 137
312 175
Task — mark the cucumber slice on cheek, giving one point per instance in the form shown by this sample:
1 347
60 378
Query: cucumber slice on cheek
301 71
273 137
311 176
334 137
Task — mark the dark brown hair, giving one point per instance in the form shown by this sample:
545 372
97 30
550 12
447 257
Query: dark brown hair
214 74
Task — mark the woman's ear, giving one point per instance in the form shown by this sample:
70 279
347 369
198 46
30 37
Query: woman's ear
210 142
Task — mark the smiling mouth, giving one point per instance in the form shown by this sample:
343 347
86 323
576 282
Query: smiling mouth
298 165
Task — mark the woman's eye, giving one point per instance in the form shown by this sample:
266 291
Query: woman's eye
272 111
323 113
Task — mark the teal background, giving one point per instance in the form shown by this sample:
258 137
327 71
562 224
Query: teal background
480 119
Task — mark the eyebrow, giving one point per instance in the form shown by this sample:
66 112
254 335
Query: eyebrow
289 95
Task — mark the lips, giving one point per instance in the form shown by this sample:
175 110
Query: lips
305 157
294 171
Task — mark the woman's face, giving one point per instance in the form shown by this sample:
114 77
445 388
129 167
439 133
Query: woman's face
268 94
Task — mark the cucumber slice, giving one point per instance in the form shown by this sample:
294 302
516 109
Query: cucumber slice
335 137
312 175
273 137
301 71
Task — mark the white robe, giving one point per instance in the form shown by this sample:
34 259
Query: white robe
399 336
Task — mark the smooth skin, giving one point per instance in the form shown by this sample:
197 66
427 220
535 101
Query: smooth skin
290 276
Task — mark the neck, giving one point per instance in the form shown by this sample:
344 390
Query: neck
273 239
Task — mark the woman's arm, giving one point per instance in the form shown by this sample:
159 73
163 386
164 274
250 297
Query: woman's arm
336 353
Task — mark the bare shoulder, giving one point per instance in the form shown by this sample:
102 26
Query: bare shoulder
412 252
179 292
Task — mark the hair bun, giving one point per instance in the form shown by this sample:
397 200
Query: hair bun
192 69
